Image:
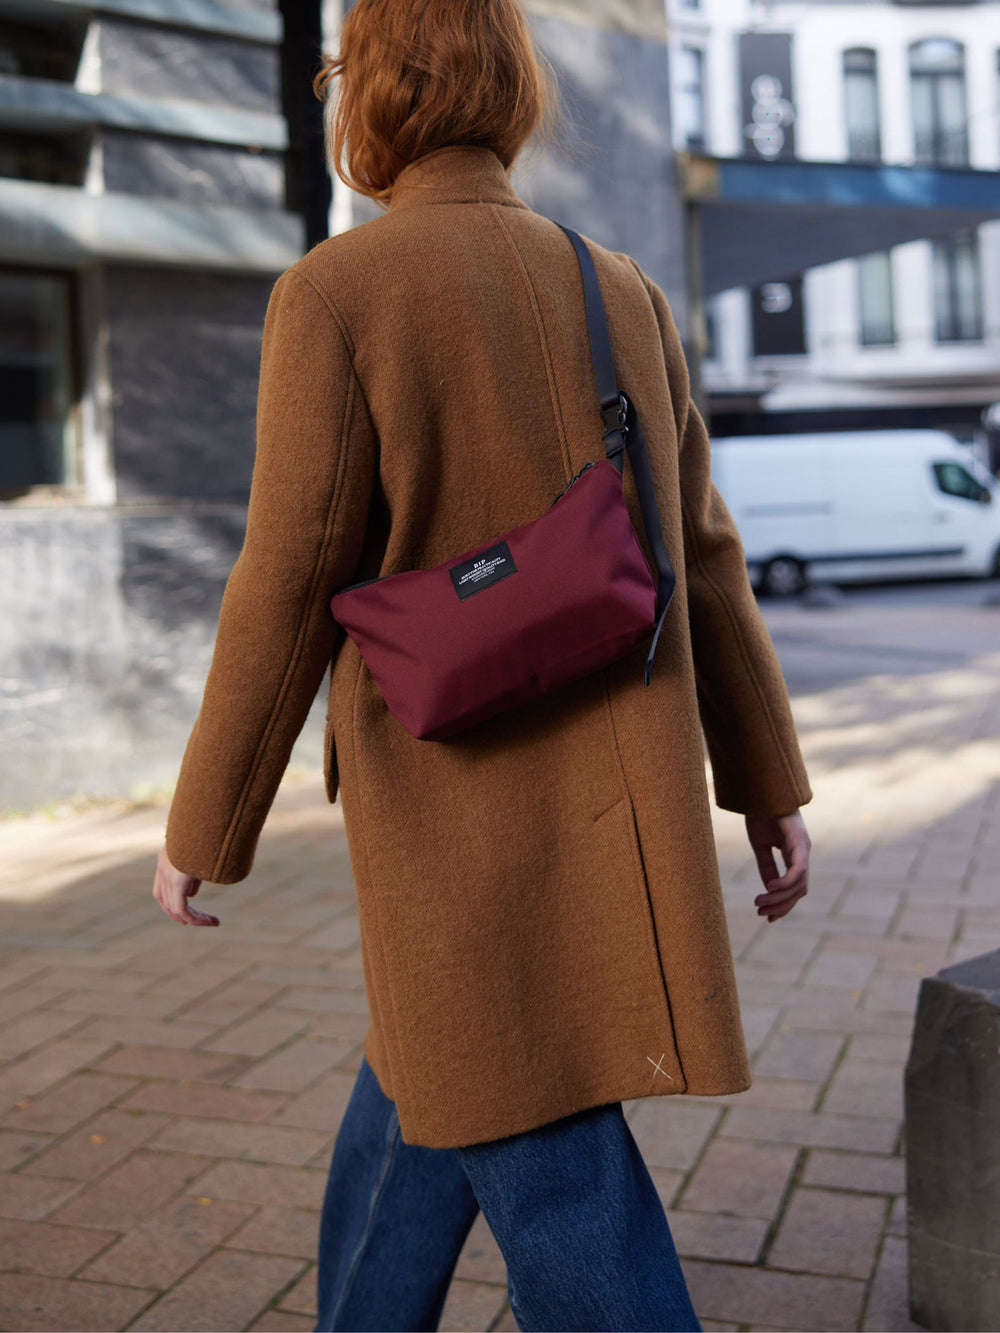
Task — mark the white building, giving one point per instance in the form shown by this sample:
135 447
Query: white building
908 84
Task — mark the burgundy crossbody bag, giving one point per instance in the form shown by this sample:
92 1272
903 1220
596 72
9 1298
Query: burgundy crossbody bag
532 609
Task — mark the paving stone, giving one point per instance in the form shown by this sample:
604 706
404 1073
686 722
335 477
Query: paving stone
47 1303
868 1173
717 1236
226 1138
866 1087
146 1031
829 1231
481 1259
331 1000
294 1067
17 1147
889 1303
168 1063
129 1193
235 1002
322 1106
898 1218
65 1105
224 1292
301 1298
747 1179
808 1056
780 1093
291 1231
282 1321
838 967
259 1034
471 1306
167 1245
97 1146
672 1135
24 1033
35 1073
257 1183
51 1251
893 992
32 1197
892 1048
202 1099
783 1300
338 1026
811 1129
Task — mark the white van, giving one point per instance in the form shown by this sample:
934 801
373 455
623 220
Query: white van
850 506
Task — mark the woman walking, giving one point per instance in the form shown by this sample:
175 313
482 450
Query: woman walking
542 923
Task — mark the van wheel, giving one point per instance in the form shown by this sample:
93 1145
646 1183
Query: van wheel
783 576
995 571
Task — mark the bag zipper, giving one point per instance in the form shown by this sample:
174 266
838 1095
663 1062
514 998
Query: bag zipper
575 478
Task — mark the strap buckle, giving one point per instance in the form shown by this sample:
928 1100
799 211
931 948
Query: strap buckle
615 415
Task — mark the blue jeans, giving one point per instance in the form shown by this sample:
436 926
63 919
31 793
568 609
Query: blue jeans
571 1204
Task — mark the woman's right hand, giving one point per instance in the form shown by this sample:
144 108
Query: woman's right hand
788 834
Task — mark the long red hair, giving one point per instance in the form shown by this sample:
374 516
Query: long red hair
415 75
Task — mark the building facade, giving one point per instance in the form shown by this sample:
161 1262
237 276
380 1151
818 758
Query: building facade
160 166
901 336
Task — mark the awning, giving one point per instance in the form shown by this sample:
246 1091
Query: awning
759 221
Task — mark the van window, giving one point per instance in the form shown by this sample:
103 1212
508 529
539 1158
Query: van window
953 479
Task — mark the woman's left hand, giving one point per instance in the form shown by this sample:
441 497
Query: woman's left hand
172 889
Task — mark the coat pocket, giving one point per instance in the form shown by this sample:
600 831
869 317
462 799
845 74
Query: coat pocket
331 777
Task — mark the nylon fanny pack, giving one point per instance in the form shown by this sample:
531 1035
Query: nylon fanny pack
531 609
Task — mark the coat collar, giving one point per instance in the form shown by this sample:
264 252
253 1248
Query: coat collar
455 174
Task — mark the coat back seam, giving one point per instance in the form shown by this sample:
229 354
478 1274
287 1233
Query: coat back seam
543 339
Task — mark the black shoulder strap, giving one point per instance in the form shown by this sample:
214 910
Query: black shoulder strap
623 432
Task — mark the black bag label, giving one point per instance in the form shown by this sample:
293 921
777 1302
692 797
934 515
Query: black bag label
483 570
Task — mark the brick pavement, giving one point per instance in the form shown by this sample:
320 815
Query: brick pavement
169 1098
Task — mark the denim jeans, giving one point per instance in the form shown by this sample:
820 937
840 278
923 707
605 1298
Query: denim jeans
571 1204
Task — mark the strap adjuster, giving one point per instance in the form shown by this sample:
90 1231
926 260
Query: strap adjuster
615 414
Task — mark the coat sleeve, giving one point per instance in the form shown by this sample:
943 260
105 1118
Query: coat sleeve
311 485
745 712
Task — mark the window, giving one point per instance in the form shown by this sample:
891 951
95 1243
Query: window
954 479
864 140
958 311
37 442
40 49
937 96
691 98
876 324
57 159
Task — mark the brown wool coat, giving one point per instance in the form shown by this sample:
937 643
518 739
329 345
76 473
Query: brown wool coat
541 913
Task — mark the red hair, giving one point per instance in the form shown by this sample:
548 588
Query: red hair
416 75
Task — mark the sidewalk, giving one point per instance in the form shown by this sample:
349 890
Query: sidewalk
170 1096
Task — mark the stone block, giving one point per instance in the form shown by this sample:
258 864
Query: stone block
952 1096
